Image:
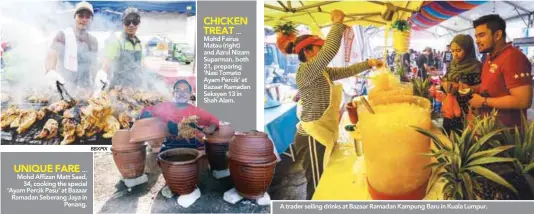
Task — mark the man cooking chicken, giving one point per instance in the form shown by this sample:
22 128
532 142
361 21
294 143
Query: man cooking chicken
174 112
76 50
123 54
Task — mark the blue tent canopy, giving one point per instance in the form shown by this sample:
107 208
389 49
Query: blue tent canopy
112 10
188 7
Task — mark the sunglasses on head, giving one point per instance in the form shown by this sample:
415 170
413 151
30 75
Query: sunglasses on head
130 21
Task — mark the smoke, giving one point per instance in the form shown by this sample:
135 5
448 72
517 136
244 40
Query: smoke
30 26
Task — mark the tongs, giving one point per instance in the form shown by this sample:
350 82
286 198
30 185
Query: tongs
97 91
61 89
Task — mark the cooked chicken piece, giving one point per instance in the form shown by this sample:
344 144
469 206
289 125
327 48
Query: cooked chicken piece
50 130
68 140
111 126
27 121
91 131
86 111
80 131
72 113
41 113
124 119
69 126
69 131
8 116
59 106
16 122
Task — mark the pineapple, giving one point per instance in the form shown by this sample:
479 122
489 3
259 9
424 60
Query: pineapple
523 140
420 87
488 123
463 165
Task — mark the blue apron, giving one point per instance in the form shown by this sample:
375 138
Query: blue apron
127 71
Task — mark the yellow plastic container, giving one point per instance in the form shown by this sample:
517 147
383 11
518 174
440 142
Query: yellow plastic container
392 148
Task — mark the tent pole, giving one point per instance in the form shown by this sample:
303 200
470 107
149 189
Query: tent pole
363 14
516 6
283 6
396 7
305 7
274 7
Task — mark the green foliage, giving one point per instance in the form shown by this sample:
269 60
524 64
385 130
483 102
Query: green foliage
286 29
462 164
401 25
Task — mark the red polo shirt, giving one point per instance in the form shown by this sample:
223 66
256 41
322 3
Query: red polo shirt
507 69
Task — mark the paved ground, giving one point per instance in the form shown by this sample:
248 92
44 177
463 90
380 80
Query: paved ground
112 196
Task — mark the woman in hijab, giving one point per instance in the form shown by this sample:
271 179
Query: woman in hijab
466 69
320 98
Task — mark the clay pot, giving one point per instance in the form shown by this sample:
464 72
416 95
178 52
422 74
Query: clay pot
223 135
217 146
216 153
251 180
121 140
352 111
131 163
180 169
252 147
148 129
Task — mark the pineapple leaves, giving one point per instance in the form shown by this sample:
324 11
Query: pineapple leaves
484 172
489 153
401 25
286 29
434 179
468 185
530 182
432 165
439 144
483 140
488 160
527 168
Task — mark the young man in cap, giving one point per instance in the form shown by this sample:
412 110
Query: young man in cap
76 50
123 54
506 81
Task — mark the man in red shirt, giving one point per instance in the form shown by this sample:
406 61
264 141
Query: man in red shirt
506 81
173 113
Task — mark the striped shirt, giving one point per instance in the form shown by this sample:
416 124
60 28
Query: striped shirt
313 86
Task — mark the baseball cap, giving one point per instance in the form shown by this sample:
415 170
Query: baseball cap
131 11
84 6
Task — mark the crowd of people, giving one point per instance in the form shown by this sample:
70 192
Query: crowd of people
426 61
501 80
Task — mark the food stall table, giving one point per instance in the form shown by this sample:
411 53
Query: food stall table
281 126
